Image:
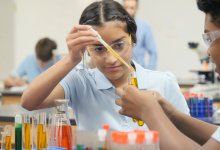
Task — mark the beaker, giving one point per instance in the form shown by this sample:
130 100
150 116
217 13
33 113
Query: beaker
60 128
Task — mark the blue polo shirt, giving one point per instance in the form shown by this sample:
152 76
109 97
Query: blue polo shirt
92 97
28 69
145 45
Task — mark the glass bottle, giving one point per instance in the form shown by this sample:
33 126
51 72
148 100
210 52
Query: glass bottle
60 128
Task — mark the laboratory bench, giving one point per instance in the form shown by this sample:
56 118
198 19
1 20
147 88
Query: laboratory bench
8 112
10 97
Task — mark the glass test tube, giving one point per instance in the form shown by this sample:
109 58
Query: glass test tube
39 131
18 132
133 81
27 132
8 134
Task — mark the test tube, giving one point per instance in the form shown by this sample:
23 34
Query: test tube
133 81
18 132
8 133
102 133
27 132
39 128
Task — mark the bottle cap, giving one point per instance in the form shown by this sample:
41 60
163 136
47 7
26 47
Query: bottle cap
18 119
156 137
123 138
140 137
61 105
106 127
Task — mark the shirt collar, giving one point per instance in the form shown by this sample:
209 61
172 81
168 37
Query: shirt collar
103 83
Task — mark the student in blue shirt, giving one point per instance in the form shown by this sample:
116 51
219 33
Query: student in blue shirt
145 41
92 92
33 64
178 131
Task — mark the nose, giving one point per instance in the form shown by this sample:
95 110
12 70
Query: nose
109 58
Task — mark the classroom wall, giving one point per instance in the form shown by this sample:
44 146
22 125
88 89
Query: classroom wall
174 23
6 37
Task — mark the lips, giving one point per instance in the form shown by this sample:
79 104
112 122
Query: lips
112 68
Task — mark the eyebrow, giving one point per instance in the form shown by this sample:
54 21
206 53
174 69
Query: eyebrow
117 40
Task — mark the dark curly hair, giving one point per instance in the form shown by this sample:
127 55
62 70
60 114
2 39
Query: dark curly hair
211 7
103 11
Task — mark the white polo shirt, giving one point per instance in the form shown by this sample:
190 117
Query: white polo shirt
92 97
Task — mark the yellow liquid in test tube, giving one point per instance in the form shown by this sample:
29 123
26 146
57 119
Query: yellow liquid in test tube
41 137
7 142
27 136
133 81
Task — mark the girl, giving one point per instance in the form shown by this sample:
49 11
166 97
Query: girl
92 92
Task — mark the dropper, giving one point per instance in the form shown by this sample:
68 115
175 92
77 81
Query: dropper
112 51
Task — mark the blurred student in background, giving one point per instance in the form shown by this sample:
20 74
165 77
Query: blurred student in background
145 41
33 64
177 130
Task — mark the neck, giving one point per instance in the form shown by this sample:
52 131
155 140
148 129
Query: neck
121 81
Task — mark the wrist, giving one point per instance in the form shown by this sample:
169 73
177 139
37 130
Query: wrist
149 109
69 61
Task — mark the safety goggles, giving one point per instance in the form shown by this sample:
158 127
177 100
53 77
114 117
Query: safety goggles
210 37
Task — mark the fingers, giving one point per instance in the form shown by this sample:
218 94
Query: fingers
81 36
151 93
125 90
83 41
123 109
122 112
80 33
127 113
118 102
76 28
120 92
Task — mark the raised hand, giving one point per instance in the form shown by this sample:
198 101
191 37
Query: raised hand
77 40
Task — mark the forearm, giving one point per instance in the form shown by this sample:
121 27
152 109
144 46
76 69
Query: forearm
197 130
43 85
8 83
14 81
170 137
